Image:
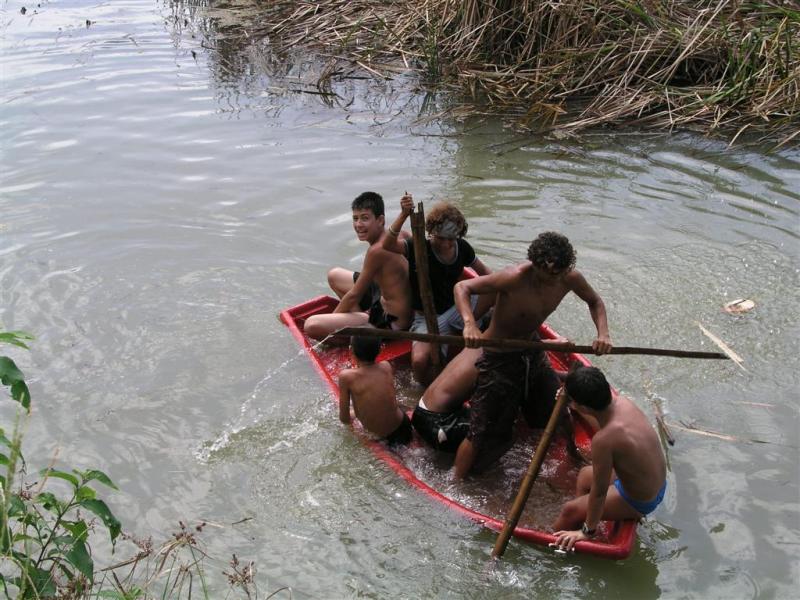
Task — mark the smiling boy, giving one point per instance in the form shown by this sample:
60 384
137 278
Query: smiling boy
505 381
380 294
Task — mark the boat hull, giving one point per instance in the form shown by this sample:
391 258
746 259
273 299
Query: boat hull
618 537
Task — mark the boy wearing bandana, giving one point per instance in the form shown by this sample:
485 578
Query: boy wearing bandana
448 254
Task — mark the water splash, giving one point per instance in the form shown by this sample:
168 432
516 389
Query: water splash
246 419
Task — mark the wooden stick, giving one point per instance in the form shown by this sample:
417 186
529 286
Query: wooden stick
662 424
567 347
722 346
424 280
530 477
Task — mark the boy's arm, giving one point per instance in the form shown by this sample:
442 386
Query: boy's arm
597 308
479 267
485 284
372 262
344 398
393 241
602 465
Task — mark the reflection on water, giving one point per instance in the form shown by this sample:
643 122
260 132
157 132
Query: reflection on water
168 184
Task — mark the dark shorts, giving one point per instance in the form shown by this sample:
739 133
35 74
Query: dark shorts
370 303
443 431
508 381
370 297
380 318
403 433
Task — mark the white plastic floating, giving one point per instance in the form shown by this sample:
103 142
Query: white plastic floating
739 305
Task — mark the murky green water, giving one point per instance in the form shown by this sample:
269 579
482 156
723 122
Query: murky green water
164 195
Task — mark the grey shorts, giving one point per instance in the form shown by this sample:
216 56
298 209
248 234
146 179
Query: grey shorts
450 321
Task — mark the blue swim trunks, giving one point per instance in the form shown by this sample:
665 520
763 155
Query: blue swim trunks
644 508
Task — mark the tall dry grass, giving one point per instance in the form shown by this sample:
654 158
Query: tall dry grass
725 66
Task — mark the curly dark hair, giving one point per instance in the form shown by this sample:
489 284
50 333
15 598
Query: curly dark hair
588 386
444 211
554 248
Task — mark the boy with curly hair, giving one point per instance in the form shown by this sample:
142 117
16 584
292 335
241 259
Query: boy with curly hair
448 254
503 381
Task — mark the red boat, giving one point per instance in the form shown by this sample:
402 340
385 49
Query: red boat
486 498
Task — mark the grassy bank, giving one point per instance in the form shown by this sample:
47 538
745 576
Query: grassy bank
721 66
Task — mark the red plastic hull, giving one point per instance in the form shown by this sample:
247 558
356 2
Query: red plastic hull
620 534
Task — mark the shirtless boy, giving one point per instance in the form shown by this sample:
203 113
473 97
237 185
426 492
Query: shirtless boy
448 254
627 478
504 381
380 294
371 388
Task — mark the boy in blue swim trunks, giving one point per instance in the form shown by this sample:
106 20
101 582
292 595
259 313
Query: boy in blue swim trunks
627 478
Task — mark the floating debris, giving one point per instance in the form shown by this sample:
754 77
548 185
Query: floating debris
740 305
723 346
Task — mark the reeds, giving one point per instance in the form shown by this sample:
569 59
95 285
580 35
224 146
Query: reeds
724 66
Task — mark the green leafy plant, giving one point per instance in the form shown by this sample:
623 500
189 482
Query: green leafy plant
44 537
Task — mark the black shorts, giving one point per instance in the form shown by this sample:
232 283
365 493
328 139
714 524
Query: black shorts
443 431
370 297
508 381
403 433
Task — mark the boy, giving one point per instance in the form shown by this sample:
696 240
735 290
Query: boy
371 388
380 294
625 448
448 254
504 381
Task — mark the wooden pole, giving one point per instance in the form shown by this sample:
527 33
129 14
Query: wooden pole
424 280
508 344
527 483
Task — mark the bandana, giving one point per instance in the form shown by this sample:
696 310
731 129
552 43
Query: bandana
447 230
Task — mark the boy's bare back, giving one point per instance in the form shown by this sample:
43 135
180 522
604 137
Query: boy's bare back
638 460
371 388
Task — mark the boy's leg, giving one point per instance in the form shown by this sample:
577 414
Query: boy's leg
341 280
584 481
455 383
465 457
573 513
542 385
421 363
493 412
321 326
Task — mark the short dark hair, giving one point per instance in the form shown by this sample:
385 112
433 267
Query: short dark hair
365 348
369 201
554 248
588 386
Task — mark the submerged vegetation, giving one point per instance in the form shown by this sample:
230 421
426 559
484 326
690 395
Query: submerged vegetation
722 66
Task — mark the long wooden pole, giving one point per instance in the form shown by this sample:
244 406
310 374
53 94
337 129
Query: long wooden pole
527 483
507 344
424 280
